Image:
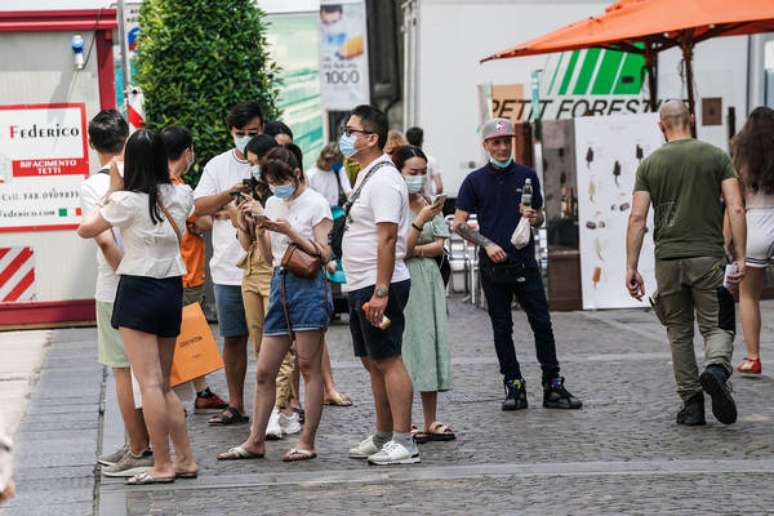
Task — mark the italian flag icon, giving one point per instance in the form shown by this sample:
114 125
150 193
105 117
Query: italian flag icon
70 212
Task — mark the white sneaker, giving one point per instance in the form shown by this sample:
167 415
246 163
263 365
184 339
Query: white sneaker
364 449
395 453
290 424
273 429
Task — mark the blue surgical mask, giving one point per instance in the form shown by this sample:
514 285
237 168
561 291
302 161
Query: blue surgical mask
415 184
240 142
255 171
347 145
283 192
501 164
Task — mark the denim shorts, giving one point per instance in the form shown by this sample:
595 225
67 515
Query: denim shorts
368 340
231 310
310 304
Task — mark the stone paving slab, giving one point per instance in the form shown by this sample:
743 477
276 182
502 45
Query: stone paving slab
622 453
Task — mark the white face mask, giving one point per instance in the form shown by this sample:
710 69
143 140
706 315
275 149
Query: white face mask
240 142
415 184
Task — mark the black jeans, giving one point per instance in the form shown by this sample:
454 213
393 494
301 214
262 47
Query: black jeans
501 282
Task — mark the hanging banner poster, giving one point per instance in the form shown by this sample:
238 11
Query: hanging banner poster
608 151
343 54
43 160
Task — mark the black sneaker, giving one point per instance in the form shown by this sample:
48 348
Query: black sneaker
556 396
714 381
692 413
515 394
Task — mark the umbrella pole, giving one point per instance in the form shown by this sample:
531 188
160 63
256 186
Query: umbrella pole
650 65
686 44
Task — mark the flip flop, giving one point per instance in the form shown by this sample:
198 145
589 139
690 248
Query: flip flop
239 453
187 474
300 454
230 416
439 432
339 400
145 479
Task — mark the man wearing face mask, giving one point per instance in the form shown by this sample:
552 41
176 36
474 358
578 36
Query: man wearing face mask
221 180
178 143
378 284
494 193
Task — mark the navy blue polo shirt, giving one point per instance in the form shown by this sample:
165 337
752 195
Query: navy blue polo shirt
494 195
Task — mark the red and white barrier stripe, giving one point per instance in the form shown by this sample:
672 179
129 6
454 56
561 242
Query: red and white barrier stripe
17 274
135 111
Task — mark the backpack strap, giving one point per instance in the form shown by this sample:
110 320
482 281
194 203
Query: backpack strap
353 198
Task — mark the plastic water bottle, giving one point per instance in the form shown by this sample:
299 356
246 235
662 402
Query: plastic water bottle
526 194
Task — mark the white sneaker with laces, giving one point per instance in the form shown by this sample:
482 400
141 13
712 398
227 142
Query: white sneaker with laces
273 429
364 449
290 424
395 453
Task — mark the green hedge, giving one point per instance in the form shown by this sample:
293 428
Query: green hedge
197 58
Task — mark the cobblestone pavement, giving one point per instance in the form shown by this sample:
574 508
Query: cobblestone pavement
621 453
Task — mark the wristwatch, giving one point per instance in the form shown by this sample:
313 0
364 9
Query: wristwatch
381 292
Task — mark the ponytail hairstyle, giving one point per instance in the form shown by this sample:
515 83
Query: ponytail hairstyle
281 166
145 168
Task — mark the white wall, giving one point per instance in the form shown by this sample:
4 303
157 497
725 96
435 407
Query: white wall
453 36
38 68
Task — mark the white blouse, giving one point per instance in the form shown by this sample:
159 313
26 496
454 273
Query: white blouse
150 249
303 213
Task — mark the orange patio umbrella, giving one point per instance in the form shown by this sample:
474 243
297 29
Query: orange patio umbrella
649 26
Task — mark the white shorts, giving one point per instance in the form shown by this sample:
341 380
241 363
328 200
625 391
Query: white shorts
760 237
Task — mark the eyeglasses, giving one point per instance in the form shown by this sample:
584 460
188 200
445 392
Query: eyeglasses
348 131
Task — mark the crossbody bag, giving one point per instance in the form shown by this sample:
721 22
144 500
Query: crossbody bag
340 225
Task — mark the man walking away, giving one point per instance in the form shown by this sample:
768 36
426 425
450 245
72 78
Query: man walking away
223 177
684 180
494 192
107 135
378 285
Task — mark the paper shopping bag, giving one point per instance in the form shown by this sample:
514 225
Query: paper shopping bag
196 352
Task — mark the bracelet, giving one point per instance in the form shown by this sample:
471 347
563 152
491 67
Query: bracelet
413 225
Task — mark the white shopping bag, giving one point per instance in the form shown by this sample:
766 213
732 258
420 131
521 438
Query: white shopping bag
521 234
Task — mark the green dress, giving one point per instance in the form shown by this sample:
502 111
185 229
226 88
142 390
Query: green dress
425 343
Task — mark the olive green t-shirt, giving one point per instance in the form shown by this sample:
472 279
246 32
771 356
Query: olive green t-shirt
683 179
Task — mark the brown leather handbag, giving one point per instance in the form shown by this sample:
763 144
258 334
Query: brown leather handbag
300 263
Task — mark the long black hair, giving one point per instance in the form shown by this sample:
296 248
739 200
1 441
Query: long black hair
753 150
402 154
145 168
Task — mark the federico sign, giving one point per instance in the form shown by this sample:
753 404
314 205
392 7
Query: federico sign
43 160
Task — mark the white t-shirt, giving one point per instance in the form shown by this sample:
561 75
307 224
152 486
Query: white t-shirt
151 250
324 182
432 171
92 190
384 198
304 213
220 174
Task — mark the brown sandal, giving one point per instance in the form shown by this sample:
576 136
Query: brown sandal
439 432
298 454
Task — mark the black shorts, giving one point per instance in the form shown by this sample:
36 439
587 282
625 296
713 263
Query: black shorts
368 340
149 304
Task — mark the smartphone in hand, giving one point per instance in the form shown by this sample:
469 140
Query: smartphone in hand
438 200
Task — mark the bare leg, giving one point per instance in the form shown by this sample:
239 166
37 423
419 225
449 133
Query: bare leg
200 383
429 405
399 391
296 401
381 403
327 371
273 350
143 352
750 309
309 345
178 431
133 420
235 362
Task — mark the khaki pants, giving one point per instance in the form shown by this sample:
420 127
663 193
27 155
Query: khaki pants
256 301
695 285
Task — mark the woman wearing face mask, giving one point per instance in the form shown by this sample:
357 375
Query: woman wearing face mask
425 344
147 311
256 287
298 215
